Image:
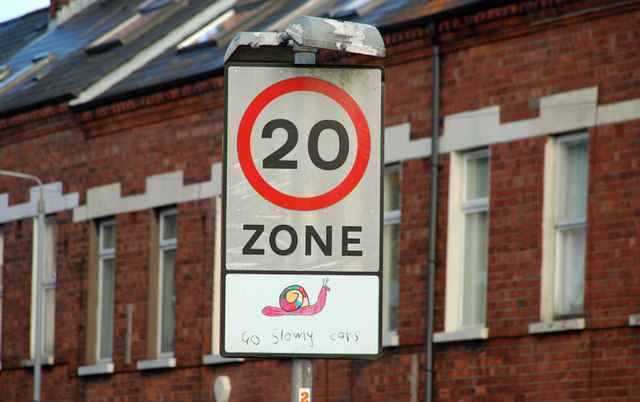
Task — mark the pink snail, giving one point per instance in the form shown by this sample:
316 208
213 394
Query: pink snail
294 301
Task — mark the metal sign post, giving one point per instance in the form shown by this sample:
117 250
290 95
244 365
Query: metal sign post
302 207
302 369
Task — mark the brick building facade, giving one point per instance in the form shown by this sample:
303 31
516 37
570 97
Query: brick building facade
537 289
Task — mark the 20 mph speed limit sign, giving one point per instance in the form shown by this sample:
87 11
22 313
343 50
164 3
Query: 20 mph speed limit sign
303 168
302 204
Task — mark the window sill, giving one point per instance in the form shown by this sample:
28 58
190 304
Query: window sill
44 361
168 362
217 359
390 338
463 334
572 324
634 320
96 369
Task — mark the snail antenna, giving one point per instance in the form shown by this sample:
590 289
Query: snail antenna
325 281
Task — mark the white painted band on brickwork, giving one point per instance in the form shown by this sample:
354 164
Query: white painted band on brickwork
168 188
398 145
619 112
559 113
162 189
54 201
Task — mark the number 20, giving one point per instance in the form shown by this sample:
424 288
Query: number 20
275 159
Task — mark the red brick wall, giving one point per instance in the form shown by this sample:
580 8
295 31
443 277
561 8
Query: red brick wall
535 54
614 227
513 72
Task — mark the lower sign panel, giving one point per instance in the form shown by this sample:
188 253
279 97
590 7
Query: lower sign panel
301 315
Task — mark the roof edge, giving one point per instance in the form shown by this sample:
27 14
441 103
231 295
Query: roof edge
463 9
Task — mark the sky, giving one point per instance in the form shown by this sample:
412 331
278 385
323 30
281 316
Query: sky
10 9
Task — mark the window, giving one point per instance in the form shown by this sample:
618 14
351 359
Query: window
168 243
475 209
564 230
570 225
48 307
106 289
101 302
167 298
391 200
162 297
564 215
467 247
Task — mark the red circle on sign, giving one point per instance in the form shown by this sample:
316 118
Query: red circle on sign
313 85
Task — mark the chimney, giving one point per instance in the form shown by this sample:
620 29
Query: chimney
55 6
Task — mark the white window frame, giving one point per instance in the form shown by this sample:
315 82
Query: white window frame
165 245
104 254
391 218
551 228
97 254
156 357
458 208
472 206
48 286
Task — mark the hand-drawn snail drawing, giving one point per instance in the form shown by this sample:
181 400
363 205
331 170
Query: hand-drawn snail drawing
294 301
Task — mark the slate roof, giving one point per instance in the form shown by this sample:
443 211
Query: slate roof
17 33
74 69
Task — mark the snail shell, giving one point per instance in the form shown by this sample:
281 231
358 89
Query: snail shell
293 297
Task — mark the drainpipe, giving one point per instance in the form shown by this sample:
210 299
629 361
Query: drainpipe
433 210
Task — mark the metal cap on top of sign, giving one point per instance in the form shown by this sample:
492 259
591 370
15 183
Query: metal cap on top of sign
302 211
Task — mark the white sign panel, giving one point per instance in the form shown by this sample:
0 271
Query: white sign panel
302 196
339 314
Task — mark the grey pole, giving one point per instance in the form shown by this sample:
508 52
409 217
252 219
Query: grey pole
38 347
302 369
433 212
37 365
301 377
